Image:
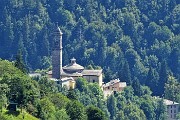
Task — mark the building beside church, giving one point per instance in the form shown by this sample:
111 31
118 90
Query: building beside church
69 82
113 86
172 109
72 70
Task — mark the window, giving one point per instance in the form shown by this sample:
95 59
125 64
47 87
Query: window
171 111
93 81
108 87
174 111
175 106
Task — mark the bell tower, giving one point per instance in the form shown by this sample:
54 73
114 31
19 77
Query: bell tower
57 53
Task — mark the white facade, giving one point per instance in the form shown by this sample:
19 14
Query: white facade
69 82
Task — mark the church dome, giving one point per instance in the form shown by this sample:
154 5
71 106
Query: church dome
73 67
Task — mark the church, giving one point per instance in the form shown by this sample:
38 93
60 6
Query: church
68 74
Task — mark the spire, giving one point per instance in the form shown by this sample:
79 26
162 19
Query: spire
58 30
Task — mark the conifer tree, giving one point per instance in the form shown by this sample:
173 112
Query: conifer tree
126 73
163 77
111 104
152 80
19 62
160 110
137 87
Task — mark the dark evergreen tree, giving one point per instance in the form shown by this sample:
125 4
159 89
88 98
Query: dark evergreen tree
71 95
8 34
137 87
43 46
152 81
111 105
94 113
174 61
163 77
161 110
22 48
19 62
148 108
125 73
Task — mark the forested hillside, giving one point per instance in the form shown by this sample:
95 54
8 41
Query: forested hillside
134 40
47 100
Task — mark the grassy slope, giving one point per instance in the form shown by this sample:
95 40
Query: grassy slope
18 115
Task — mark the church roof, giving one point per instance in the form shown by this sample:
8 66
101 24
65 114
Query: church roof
75 74
73 66
113 82
92 72
169 102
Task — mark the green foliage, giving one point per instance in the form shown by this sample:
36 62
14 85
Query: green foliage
152 80
104 33
125 38
160 111
178 116
89 30
125 74
95 89
81 84
163 77
2 117
128 93
111 104
90 94
171 89
45 63
71 95
47 86
19 62
42 99
76 111
59 100
7 67
137 87
94 113
132 112
145 91
120 116
148 108
11 115
61 115
22 88
47 109
4 90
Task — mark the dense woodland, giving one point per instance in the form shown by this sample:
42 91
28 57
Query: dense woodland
47 100
137 41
